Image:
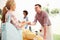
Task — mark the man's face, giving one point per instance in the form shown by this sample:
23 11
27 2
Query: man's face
37 8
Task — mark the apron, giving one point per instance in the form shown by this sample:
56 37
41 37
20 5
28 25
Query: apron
10 32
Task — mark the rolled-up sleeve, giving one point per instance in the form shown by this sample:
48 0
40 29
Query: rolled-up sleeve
35 20
45 20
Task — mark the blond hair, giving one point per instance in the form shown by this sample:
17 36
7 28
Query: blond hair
6 8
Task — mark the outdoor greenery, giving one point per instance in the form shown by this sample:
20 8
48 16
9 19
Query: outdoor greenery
0 13
56 37
55 11
46 9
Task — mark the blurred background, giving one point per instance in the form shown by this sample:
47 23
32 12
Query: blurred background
52 7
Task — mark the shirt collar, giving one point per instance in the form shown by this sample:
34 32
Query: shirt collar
39 13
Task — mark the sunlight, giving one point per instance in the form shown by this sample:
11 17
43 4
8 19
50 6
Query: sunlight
29 5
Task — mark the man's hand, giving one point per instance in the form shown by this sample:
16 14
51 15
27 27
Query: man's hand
44 39
23 22
32 24
29 23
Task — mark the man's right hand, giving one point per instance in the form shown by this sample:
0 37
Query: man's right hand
29 23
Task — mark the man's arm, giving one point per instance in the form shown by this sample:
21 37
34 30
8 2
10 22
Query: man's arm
45 32
45 25
34 22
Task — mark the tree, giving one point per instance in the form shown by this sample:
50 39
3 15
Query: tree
0 13
55 11
46 9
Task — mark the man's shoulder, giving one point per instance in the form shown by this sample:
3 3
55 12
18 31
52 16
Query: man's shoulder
44 13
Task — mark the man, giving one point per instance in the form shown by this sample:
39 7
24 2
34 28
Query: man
43 19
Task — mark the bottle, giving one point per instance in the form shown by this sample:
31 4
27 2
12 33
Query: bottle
36 32
30 28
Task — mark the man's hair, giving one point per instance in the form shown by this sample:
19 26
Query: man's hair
38 5
26 12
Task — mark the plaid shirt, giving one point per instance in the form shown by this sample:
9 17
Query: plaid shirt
43 19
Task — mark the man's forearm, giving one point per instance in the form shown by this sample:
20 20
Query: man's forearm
33 23
45 31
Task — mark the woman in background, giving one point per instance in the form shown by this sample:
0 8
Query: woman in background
11 28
